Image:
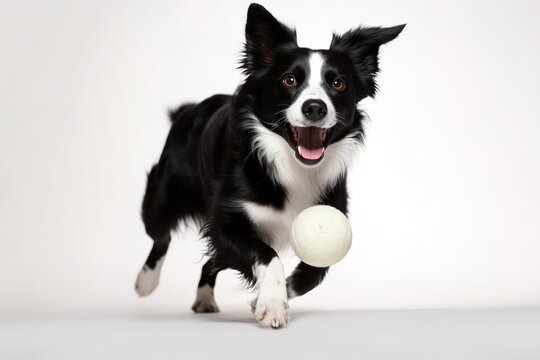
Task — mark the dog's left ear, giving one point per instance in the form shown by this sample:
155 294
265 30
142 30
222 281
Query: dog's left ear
362 47
264 36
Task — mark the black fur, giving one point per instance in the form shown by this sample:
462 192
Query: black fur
209 165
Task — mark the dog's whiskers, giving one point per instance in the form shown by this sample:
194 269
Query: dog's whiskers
340 118
280 120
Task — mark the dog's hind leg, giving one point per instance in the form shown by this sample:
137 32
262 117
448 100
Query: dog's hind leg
205 302
148 277
174 191
160 217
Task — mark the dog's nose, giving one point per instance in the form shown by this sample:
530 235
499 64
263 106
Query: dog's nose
314 109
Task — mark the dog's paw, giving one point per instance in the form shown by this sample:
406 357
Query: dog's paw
205 306
204 302
147 281
271 313
148 278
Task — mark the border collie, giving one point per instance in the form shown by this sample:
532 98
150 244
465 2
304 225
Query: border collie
244 165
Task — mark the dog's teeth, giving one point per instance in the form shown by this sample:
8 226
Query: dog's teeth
295 133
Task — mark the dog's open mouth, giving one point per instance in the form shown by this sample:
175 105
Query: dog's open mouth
309 142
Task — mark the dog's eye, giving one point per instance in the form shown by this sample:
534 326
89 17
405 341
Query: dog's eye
289 81
339 84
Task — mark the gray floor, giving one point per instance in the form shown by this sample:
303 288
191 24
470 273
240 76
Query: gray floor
427 334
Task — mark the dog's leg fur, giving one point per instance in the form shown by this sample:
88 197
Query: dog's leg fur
236 244
171 195
270 307
159 221
304 279
205 302
148 277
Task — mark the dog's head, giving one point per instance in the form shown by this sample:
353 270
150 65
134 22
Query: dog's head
306 96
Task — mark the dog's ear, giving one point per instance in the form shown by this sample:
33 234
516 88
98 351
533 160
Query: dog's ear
362 47
264 36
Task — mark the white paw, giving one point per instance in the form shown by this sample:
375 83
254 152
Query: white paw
271 308
204 306
205 303
148 279
273 313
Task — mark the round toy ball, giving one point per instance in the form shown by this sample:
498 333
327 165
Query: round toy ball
321 235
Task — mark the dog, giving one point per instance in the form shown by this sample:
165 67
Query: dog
244 165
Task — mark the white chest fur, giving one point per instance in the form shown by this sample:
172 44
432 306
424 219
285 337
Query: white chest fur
275 224
304 185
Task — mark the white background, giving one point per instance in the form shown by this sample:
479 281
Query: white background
445 197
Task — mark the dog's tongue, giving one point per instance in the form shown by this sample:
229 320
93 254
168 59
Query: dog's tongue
310 144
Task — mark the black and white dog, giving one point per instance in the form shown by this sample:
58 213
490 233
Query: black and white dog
245 165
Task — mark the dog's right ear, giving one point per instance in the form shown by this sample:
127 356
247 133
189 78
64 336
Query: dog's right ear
264 36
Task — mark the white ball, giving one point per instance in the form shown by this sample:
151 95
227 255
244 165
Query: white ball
321 235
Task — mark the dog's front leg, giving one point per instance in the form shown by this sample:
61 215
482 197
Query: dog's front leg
236 244
304 279
270 307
